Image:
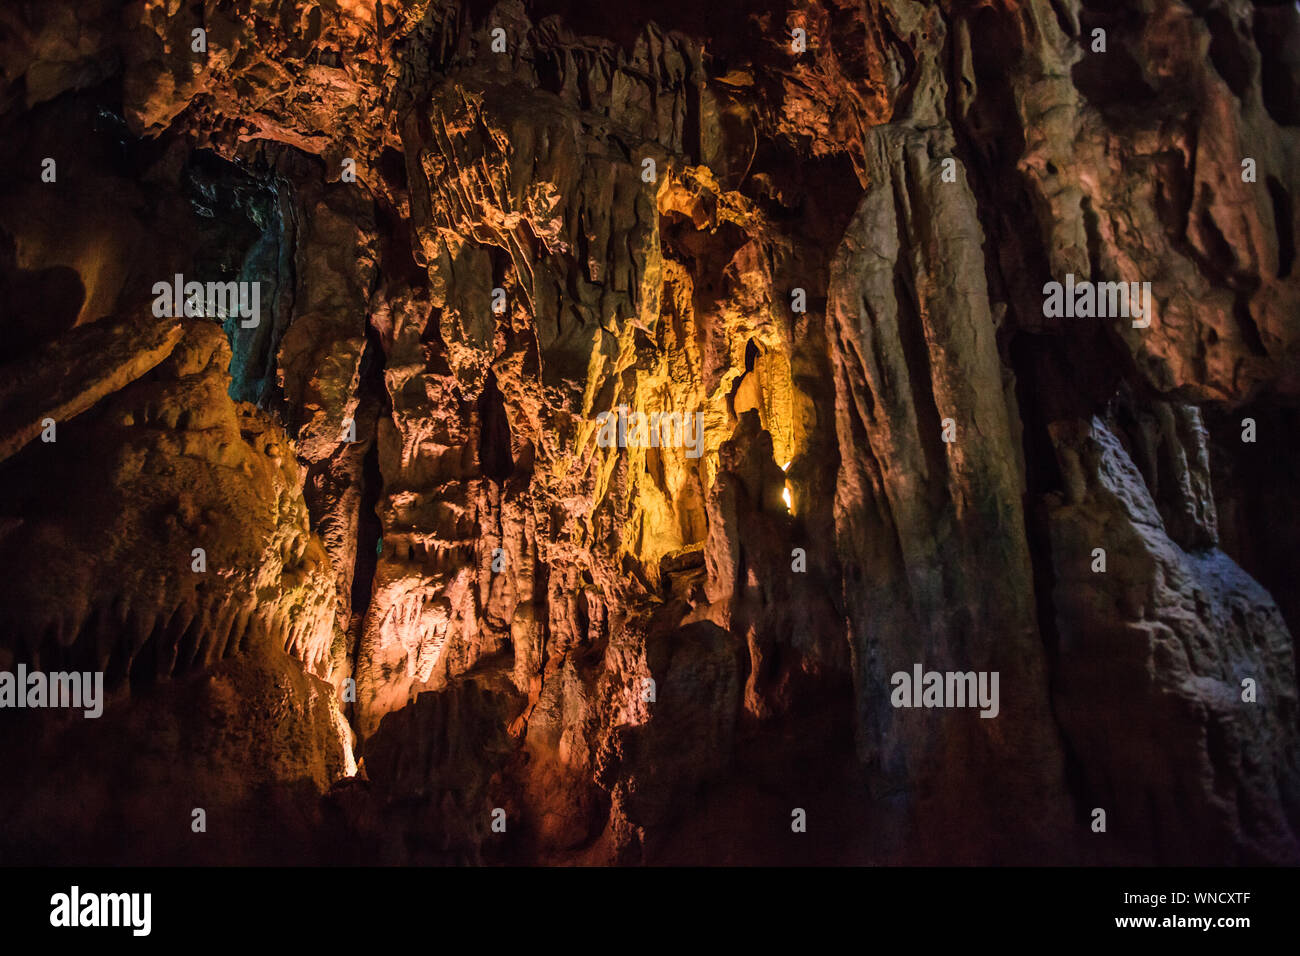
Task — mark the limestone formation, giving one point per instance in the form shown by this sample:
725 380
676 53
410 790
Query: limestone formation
366 568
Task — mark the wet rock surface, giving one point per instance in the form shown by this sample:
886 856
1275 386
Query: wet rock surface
434 601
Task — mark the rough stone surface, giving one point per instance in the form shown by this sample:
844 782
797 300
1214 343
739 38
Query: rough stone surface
431 592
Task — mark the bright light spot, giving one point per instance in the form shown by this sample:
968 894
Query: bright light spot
785 496
786 466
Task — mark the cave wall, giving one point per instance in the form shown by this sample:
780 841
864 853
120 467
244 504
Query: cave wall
432 593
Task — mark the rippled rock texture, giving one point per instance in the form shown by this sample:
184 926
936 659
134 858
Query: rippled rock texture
368 583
